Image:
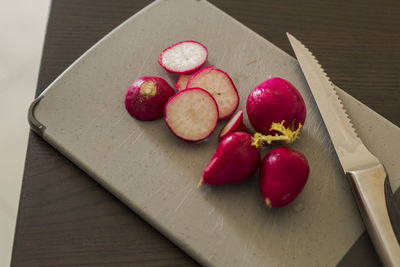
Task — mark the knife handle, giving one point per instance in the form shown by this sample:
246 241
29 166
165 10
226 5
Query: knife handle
368 189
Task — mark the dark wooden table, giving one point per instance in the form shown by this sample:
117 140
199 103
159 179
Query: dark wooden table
65 218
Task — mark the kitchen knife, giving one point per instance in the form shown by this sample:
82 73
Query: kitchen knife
365 173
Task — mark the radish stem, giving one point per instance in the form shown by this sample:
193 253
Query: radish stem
148 89
287 135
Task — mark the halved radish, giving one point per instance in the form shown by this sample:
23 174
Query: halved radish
220 86
235 160
235 124
182 80
191 114
283 175
185 57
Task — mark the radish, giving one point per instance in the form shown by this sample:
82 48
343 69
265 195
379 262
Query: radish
191 114
185 57
235 124
275 100
182 80
146 98
235 160
220 86
283 175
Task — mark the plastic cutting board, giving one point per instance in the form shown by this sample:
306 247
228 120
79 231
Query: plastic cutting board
82 114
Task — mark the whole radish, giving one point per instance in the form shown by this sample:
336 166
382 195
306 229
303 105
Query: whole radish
146 98
283 175
273 101
235 160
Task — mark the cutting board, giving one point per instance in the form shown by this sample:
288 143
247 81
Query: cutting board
82 114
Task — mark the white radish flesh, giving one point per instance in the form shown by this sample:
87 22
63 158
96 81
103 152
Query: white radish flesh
184 57
191 114
235 124
220 86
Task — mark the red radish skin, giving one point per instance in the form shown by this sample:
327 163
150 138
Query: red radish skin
275 100
185 57
146 98
235 160
283 175
220 86
182 80
191 114
235 124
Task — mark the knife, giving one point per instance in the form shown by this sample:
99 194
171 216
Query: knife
365 173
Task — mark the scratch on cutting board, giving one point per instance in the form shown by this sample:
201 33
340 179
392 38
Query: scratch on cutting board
220 241
325 186
316 130
251 62
120 119
295 248
211 212
87 128
145 60
249 247
219 30
287 247
333 182
137 138
183 200
157 192
224 54
127 139
273 225
219 224
260 66
308 99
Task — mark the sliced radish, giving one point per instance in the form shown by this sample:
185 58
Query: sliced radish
220 86
191 114
182 80
235 124
185 57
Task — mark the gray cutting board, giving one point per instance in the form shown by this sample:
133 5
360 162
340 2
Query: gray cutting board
82 114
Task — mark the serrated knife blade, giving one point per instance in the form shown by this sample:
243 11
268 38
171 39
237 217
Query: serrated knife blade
351 151
365 173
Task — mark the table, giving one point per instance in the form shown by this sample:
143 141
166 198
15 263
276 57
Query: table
65 218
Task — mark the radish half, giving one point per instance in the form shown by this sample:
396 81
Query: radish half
235 160
185 57
191 114
220 86
182 81
283 175
146 98
235 124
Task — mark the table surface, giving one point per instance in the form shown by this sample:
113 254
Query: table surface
66 218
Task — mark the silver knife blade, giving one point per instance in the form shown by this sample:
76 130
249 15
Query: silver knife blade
352 152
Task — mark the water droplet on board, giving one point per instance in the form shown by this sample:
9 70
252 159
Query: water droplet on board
298 207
